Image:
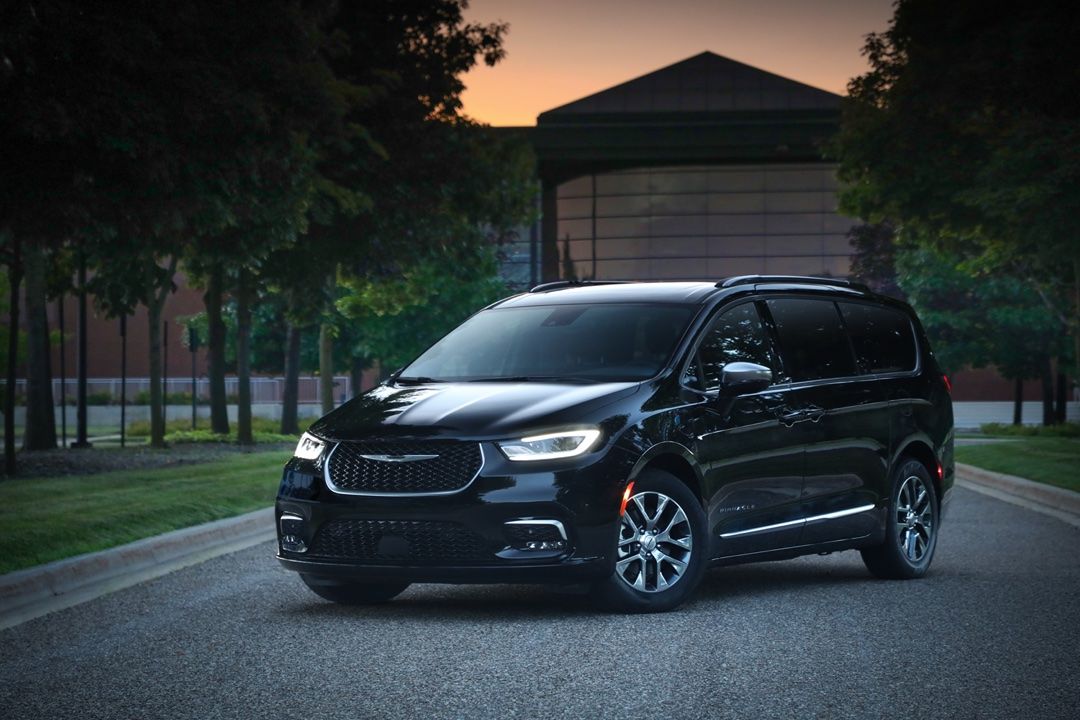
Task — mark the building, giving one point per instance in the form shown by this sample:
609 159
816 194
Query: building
705 168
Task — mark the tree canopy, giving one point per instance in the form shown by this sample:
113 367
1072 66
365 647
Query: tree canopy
965 134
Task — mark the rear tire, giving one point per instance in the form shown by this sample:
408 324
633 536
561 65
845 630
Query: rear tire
661 550
353 593
911 526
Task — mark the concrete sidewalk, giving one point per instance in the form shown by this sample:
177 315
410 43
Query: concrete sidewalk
37 591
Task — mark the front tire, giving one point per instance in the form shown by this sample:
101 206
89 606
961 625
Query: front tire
353 593
661 549
911 526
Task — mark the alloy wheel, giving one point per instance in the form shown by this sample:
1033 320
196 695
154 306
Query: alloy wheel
655 543
914 518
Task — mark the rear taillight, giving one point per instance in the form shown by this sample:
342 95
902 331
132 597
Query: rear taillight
948 385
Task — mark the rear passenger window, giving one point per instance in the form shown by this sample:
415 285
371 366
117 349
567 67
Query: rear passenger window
813 344
882 337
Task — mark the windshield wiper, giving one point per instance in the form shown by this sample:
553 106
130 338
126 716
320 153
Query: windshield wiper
420 379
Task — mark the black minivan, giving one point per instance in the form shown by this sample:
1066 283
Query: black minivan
627 436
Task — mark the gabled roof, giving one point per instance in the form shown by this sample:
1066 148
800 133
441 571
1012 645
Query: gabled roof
703 83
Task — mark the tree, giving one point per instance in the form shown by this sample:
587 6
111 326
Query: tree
873 261
975 321
965 132
380 184
401 316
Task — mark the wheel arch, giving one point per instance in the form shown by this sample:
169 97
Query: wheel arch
919 449
675 459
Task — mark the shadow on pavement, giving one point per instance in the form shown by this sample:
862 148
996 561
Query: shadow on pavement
517 603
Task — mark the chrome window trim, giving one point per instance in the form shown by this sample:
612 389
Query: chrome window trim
342 491
800 521
558 525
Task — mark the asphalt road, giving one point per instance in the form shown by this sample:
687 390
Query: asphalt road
990 632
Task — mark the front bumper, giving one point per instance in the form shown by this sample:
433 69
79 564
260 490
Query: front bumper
582 494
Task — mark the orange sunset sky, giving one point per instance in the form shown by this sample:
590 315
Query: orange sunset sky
561 50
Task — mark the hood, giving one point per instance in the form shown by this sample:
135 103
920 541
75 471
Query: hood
477 410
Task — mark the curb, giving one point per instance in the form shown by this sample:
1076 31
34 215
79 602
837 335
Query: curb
1046 499
33 592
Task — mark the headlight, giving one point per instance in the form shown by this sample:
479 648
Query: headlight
551 446
309 447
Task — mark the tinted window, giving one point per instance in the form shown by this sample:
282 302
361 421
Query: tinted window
593 342
813 343
735 336
882 337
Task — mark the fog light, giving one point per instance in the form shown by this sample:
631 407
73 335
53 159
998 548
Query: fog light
536 535
546 545
292 533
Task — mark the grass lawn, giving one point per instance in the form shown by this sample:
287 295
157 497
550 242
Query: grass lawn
1050 460
46 519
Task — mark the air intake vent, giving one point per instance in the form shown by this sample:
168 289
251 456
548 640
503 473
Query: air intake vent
400 542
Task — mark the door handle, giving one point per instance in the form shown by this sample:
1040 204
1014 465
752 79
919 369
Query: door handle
812 413
794 417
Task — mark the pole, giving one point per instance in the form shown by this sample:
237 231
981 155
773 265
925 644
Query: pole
63 372
193 343
81 440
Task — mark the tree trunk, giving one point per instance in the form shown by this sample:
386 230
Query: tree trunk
215 354
82 353
291 395
40 417
157 419
356 373
1061 396
243 359
326 367
1018 401
1047 377
1076 319
15 280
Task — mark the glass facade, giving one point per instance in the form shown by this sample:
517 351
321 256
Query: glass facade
681 223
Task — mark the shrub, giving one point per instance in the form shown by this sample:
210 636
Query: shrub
205 436
1069 429
98 398
259 426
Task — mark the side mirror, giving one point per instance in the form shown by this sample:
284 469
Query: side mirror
745 377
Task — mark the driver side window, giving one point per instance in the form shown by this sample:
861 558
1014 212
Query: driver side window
737 335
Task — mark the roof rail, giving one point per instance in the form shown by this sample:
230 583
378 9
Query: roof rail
800 279
556 284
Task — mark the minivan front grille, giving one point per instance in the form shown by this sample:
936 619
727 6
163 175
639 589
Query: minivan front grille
402 542
403 467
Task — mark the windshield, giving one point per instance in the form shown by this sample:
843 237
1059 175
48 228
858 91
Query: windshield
556 342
